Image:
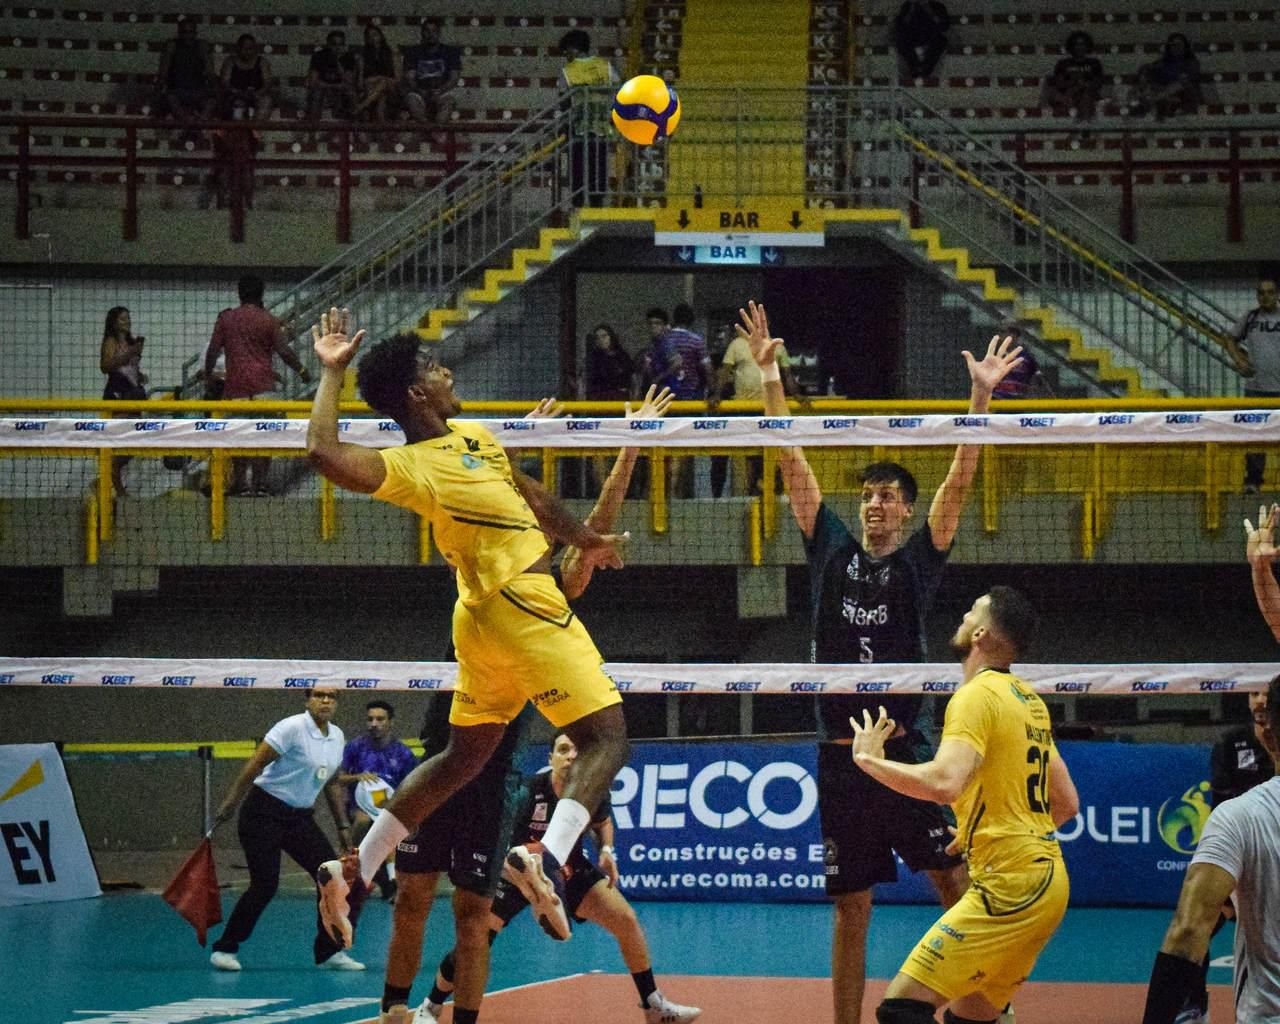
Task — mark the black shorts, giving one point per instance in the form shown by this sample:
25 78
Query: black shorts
864 823
508 901
467 836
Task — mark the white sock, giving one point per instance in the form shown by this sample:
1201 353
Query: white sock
378 842
564 828
391 870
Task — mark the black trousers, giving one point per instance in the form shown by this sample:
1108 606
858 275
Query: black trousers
267 828
1255 463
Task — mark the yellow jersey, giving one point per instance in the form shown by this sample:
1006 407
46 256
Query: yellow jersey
1003 814
461 483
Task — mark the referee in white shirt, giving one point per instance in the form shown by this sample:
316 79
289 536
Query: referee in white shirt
298 758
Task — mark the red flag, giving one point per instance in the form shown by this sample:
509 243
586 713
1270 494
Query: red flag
193 892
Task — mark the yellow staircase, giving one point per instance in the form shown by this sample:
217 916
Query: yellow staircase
741 42
498 281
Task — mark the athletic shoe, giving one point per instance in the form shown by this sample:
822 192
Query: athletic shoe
400 1014
224 961
541 882
1192 1015
340 961
1007 1017
341 889
661 1010
428 1012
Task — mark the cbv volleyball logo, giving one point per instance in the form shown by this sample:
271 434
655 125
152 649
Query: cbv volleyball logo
1181 819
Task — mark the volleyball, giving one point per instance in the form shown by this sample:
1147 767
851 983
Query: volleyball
646 110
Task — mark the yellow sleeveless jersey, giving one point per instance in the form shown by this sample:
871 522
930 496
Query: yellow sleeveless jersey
1003 814
462 484
589 71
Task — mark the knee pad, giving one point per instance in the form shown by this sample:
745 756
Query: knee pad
950 1018
904 1011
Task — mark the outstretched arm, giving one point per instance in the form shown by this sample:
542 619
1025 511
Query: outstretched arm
797 476
352 466
1260 549
940 781
949 502
575 574
599 550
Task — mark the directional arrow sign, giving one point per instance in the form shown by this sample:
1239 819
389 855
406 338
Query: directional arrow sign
795 221
683 220
685 254
770 255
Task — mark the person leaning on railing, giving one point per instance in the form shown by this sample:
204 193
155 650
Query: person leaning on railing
120 358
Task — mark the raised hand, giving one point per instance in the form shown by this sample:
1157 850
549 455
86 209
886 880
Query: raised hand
1260 543
329 337
547 409
1002 356
869 736
603 552
754 330
654 407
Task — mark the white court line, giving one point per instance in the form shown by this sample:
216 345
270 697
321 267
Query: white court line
504 991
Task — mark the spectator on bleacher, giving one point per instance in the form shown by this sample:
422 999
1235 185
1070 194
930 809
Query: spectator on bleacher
678 360
589 144
1255 348
1024 380
248 87
920 35
1074 87
186 81
610 373
331 78
378 76
1170 85
120 358
429 72
250 336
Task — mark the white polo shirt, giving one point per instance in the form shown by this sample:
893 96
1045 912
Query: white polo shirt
308 760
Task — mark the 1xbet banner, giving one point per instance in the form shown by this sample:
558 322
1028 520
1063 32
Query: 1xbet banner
739 821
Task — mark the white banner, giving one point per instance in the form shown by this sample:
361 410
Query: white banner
633 677
1258 426
43 855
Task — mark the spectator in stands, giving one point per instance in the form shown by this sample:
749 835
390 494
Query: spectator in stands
1170 85
429 72
248 87
589 145
1237 858
679 361
1024 380
250 336
920 35
373 765
186 81
378 76
120 358
1254 346
1074 87
331 78
740 374
610 373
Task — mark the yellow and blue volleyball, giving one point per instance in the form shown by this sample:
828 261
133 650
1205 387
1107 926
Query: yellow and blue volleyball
646 110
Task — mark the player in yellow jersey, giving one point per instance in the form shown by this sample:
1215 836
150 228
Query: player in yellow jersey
515 636
998 767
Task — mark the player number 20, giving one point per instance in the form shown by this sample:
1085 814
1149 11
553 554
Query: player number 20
1038 780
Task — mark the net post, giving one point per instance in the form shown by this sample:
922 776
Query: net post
755 526
768 493
658 490
1212 511
217 494
991 488
91 530
106 506
328 510
1088 514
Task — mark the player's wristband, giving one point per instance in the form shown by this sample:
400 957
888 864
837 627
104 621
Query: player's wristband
608 850
1172 979
771 373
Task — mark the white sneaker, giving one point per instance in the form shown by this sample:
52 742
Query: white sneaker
539 879
428 1012
1192 1015
662 1010
399 1014
1008 1016
340 961
224 961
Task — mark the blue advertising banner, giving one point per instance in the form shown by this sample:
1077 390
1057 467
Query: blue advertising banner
739 821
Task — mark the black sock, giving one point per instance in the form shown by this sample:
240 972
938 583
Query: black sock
645 984
465 1016
444 973
394 995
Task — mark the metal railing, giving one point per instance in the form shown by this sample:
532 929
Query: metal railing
833 147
